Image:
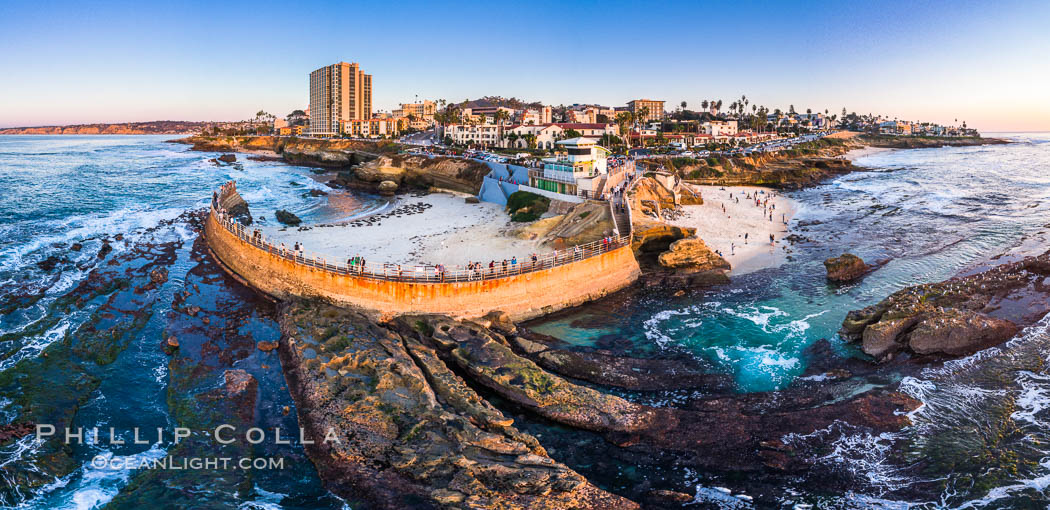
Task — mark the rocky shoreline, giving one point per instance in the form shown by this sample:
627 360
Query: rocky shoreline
424 409
956 317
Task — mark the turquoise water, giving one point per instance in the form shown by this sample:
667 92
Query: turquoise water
933 212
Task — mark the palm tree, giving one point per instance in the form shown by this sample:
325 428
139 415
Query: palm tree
643 114
703 104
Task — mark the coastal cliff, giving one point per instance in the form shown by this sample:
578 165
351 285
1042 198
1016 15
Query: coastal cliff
792 168
925 142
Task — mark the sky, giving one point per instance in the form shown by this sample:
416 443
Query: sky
987 63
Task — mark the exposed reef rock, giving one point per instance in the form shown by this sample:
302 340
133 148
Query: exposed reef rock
411 433
730 432
955 317
845 268
607 369
287 217
387 188
227 158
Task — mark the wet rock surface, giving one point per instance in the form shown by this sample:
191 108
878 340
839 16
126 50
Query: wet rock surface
845 268
955 317
726 432
602 367
411 433
287 218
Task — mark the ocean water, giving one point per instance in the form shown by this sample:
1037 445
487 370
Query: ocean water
931 212
979 441
60 190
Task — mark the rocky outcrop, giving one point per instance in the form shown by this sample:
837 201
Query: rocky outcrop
411 433
845 268
691 255
317 157
287 217
653 237
580 224
924 142
387 188
606 369
227 158
421 172
236 207
955 317
379 170
673 256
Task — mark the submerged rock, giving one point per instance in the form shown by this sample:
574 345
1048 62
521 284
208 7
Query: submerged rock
159 275
955 317
265 346
50 262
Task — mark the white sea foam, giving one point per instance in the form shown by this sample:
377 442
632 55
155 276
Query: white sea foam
33 346
93 487
127 220
263 500
722 497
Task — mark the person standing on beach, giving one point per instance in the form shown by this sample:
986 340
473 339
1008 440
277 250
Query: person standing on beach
745 237
732 248
772 240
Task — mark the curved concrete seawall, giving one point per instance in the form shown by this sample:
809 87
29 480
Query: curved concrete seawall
522 296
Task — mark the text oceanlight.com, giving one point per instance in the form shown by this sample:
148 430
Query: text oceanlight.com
187 463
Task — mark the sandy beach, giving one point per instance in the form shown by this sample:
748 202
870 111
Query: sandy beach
439 228
724 231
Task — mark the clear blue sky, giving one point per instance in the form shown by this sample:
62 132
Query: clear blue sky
76 62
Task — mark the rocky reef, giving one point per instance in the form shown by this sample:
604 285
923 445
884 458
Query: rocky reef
423 410
409 432
845 268
955 317
790 169
926 142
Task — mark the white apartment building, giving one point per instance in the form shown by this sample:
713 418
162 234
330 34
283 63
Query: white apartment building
718 128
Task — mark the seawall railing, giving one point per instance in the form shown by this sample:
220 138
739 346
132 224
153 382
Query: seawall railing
421 273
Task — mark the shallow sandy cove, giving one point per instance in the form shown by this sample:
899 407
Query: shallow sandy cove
439 228
721 231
